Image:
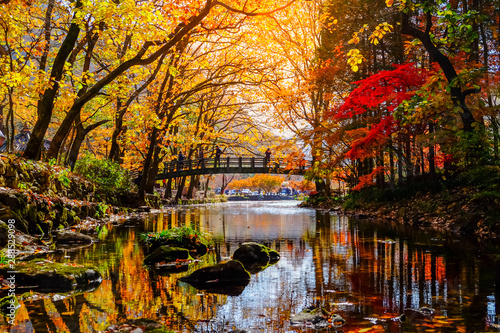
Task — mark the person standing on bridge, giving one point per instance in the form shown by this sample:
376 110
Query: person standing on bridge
218 153
268 157
201 158
180 160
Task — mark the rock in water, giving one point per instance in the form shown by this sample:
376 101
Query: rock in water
316 318
255 257
50 277
227 278
166 254
71 237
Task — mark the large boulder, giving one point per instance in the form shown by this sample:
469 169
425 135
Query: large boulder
226 278
166 254
255 257
47 277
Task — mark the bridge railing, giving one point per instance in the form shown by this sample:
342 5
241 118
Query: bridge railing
234 162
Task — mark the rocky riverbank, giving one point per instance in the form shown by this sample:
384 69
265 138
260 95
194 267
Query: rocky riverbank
39 199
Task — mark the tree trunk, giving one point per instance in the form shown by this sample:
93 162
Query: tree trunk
34 146
153 171
206 188
457 95
496 134
192 184
409 166
67 143
147 165
10 129
81 133
180 189
121 109
380 180
432 154
114 151
400 160
45 112
392 172
168 189
47 28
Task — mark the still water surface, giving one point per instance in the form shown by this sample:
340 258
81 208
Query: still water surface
369 273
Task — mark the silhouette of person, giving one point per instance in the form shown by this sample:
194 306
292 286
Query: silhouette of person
268 157
218 153
180 161
201 157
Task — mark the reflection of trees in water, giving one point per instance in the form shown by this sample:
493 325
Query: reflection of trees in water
396 271
371 266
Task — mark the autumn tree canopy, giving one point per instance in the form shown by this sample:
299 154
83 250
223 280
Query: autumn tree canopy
371 91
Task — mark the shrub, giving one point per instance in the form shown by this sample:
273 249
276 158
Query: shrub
484 177
106 174
180 237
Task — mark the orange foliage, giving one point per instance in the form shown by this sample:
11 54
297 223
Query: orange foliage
367 180
265 182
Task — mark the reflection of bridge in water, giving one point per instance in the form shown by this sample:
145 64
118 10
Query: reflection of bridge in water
209 166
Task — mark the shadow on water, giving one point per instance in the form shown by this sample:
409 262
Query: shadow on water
367 272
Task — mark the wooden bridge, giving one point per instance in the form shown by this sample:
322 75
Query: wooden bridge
208 166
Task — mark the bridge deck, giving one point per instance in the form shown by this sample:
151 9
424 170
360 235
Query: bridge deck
210 166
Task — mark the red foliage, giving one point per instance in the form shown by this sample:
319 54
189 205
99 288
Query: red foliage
367 180
383 92
377 136
389 87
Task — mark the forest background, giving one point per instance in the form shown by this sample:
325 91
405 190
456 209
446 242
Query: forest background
376 93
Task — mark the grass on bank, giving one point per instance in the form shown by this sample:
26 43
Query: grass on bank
178 235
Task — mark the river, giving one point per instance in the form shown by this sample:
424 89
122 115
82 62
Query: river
369 273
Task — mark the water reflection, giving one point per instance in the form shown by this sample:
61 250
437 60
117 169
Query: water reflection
368 273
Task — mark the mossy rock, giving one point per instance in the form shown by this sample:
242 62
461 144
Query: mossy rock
53 215
7 214
3 167
10 171
64 215
9 306
45 276
182 237
70 217
11 200
45 226
32 213
255 257
166 254
4 233
197 248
